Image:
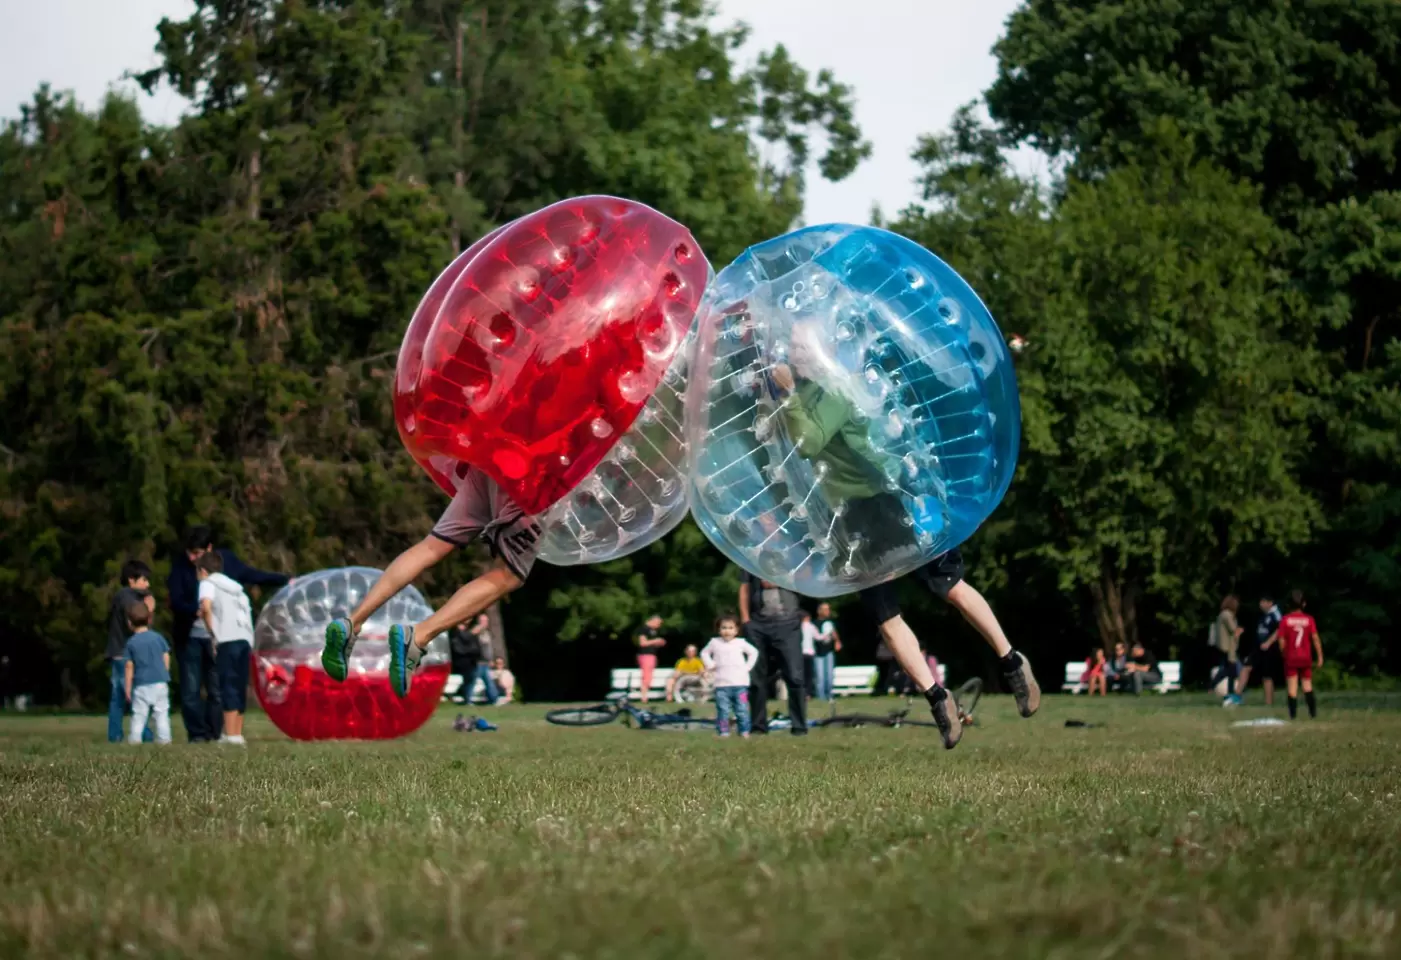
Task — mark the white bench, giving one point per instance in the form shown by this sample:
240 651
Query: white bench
846 681
454 684
1170 669
629 680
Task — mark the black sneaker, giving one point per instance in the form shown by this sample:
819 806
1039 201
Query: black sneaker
945 712
1022 682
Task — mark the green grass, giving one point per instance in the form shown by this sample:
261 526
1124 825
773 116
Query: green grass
1164 833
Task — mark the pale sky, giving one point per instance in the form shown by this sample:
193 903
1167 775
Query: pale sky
911 63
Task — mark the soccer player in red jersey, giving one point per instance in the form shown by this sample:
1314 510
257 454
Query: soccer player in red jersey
1303 650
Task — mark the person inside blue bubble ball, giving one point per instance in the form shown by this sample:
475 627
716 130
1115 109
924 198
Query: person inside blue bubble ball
828 430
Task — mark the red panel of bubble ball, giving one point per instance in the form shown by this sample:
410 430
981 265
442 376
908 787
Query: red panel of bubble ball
410 362
547 343
306 704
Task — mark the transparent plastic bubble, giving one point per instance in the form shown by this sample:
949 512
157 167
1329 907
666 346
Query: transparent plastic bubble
306 704
638 494
538 346
898 436
638 491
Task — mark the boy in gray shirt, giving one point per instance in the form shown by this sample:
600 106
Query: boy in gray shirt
147 659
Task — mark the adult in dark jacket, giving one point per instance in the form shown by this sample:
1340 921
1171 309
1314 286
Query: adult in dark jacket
203 714
773 622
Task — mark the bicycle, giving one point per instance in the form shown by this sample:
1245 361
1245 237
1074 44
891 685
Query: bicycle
598 714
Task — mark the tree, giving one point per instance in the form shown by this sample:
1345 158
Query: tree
200 323
1158 399
1302 100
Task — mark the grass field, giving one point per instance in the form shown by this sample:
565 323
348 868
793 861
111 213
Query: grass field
1166 832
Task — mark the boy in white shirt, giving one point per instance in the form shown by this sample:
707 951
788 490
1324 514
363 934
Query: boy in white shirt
225 612
729 658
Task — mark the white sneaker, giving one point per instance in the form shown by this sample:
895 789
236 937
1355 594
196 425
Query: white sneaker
237 741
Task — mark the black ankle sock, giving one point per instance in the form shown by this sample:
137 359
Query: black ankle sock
1293 707
935 694
1012 662
1313 704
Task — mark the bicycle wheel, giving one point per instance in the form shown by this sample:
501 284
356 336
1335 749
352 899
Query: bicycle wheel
593 715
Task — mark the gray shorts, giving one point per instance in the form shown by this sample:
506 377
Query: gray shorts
480 509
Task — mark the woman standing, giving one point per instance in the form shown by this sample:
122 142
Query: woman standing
1225 637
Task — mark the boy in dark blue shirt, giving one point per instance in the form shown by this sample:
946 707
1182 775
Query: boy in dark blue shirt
135 588
147 657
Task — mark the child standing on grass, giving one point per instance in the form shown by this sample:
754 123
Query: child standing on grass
135 588
228 616
147 681
730 658
1298 637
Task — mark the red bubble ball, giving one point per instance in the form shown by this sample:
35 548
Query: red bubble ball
536 349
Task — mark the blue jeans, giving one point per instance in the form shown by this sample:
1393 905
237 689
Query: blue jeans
117 706
484 674
204 716
1227 670
824 668
731 702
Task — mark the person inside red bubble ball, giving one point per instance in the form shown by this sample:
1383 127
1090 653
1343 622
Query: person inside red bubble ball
479 510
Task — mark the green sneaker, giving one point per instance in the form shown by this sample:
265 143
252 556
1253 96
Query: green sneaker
335 656
401 661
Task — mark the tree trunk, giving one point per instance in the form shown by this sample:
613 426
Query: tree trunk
1116 613
255 170
459 178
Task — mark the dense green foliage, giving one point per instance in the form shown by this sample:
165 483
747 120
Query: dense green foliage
1302 100
199 323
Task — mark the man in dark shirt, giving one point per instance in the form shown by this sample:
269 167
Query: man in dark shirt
135 588
1142 668
1259 660
466 650
203 716
773 622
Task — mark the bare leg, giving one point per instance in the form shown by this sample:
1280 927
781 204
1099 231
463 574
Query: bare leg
905 646
402 572
1269 684
976 611
1242 680
231 723
469 601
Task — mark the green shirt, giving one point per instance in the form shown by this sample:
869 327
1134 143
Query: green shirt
823 427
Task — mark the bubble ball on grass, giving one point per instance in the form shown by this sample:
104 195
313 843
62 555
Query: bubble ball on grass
306 704
852 410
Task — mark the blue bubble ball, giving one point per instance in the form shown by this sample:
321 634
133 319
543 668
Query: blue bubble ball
852 411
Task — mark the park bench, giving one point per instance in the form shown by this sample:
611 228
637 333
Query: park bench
454 684
846 681
1170 669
